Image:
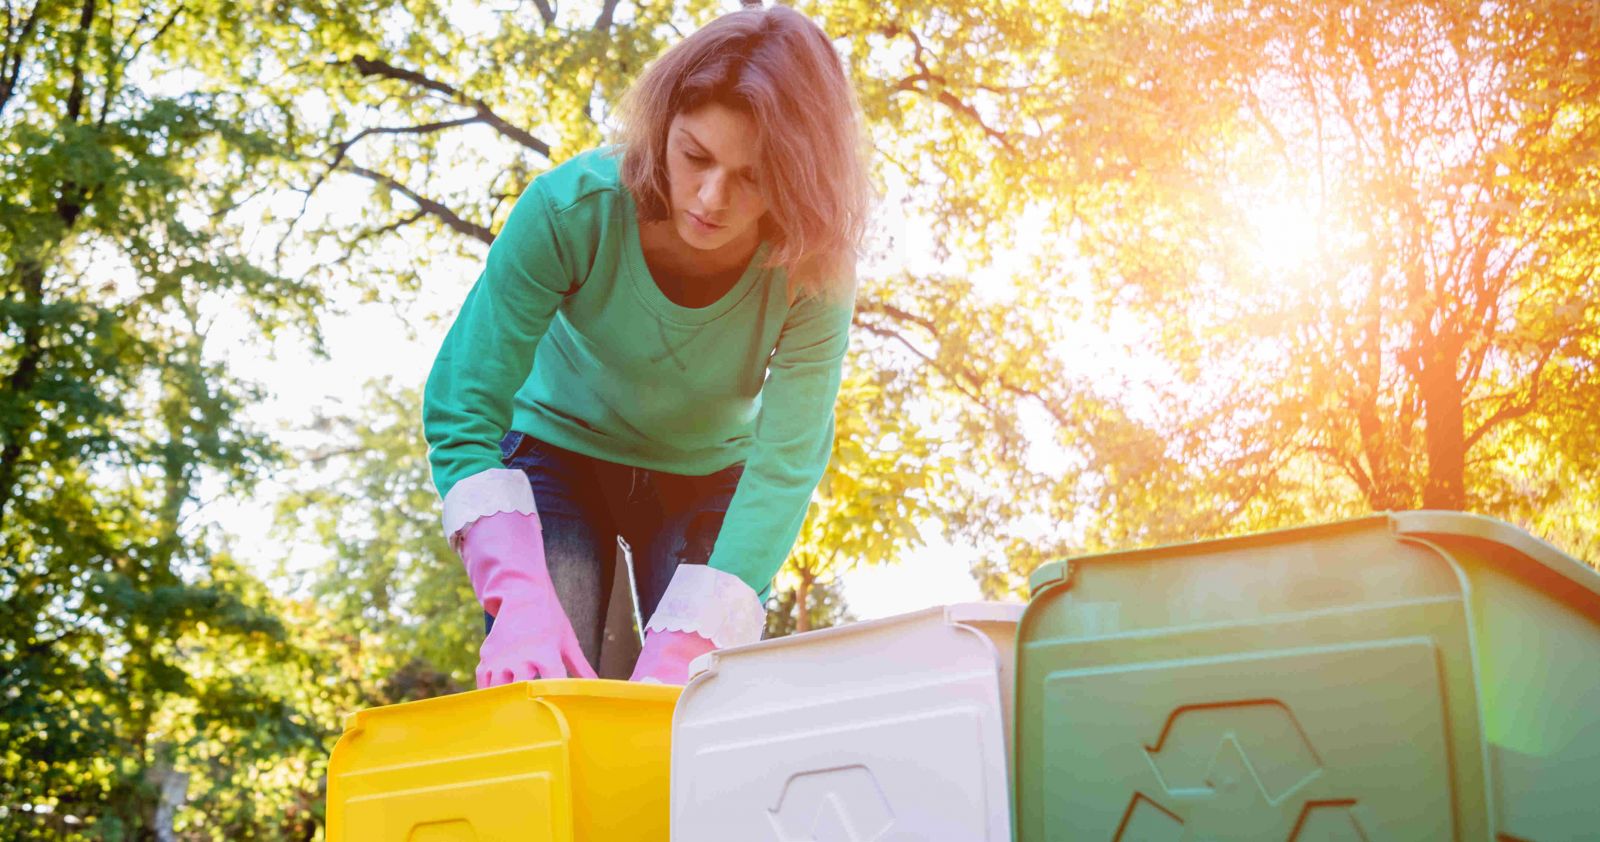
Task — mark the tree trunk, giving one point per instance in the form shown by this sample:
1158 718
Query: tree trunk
69 206
20 383
802 611
1381 490
172 788
1442 419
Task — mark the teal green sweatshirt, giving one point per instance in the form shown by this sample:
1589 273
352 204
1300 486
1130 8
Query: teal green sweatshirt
566 337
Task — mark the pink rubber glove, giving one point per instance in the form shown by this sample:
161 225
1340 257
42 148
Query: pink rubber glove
531 637
666 655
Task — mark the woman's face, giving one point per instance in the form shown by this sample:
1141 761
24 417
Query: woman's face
711 170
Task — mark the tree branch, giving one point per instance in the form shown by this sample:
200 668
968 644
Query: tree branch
159 32
338 159
395 225
1351 465
942 95
115 66
431 207
1514 409
427 128
324 455
10 75
603 22
546 12
897 314
338 164
80 40
374 67
955 381
907 84
964 378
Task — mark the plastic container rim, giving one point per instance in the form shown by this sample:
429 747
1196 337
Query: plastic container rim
955 612
1415 523
605 688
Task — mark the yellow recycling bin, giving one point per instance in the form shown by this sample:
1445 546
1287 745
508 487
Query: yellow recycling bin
558 760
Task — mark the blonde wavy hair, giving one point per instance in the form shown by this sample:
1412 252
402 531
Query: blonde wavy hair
778 66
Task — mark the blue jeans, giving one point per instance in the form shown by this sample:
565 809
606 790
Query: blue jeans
586 504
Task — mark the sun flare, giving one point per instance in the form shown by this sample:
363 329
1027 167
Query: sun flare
1284 236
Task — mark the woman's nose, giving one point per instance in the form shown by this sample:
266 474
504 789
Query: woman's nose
714 192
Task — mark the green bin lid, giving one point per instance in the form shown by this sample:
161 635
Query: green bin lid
1422 523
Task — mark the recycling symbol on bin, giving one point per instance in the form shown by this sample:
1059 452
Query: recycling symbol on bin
1228 771
831 805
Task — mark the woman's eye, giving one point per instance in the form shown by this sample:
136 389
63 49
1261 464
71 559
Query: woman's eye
695 159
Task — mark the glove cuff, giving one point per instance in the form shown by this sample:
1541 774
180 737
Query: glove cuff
483 494
712 603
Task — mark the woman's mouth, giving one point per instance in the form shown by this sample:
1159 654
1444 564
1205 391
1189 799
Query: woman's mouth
701 224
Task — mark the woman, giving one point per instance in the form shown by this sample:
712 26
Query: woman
655 343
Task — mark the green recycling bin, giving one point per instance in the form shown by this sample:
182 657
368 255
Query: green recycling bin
1422 675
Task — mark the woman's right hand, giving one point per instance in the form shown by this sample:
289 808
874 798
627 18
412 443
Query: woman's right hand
531 637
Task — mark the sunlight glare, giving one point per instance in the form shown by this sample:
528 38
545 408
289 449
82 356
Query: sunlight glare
1285 236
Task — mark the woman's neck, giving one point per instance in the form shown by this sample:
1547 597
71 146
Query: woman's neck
665 250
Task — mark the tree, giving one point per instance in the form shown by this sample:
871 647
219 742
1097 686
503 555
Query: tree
1431 317
116 245
868 506
389 581
1353 244
825 608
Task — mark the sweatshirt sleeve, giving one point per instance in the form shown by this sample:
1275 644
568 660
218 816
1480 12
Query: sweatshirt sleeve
793 442
486 357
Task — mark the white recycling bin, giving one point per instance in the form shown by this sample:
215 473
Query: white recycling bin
890 730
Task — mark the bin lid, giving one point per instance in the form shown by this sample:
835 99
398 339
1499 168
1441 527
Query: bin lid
534 689
1423 523
954 613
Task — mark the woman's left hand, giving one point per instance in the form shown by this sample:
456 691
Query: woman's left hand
666 654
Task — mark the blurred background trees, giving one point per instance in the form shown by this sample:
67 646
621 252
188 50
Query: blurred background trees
1145 272
122 609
